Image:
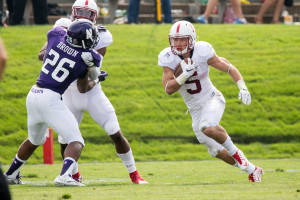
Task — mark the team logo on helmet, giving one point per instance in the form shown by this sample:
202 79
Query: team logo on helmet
82 34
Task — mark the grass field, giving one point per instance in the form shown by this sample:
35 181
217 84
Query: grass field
168 180
268 56
155 123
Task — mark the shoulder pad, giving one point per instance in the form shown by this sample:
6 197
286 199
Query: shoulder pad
105 39
205 49
166 56
62 22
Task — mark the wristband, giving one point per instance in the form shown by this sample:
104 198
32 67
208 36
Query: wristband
181 79
241 84
229 67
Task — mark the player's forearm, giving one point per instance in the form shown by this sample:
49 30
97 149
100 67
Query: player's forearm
171 86
43 51
83 84
235 74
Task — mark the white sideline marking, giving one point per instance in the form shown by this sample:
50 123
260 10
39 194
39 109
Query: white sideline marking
99 180
104 180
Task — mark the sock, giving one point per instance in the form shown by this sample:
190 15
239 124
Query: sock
128 161
15 166
231 148
68 166
75 169
250 169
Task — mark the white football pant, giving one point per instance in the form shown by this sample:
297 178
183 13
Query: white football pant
96 103
45 108
207 115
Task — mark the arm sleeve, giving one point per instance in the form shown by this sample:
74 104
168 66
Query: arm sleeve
97 58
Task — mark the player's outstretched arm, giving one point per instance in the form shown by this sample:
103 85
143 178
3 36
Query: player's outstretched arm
43 51
224 65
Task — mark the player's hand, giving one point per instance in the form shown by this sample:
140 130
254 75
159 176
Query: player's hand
103 75
188 69
245 96
88 58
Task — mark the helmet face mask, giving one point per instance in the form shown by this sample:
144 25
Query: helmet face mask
82 34
180 30
84 9
177 47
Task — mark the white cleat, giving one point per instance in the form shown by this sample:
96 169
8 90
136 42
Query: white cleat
256 175
241 160
66 180
13 180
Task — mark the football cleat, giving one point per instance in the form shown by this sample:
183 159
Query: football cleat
66 180
241 160
77 177
256 175
13 180
136 178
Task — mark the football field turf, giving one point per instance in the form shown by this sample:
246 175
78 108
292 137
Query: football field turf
210 179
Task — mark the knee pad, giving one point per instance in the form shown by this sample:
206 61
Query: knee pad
111 127
37 141
205 124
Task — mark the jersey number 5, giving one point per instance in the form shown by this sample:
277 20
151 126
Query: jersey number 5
59 69
196 82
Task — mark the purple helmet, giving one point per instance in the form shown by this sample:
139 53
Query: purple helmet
82 34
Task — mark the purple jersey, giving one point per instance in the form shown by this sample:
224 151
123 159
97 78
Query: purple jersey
62 63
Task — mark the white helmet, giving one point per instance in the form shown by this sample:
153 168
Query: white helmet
182 29
86 9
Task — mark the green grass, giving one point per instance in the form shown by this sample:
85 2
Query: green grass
168 180
267 56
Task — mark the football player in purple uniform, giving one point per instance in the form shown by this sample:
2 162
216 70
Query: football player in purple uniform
95 101
64 62
205 103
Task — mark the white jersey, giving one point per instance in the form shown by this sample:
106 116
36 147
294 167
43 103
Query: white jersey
198 88
105 36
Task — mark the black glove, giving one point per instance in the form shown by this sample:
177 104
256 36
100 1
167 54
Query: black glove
102 76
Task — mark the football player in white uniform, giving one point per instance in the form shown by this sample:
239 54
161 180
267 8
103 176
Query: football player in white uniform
205 103
95 101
